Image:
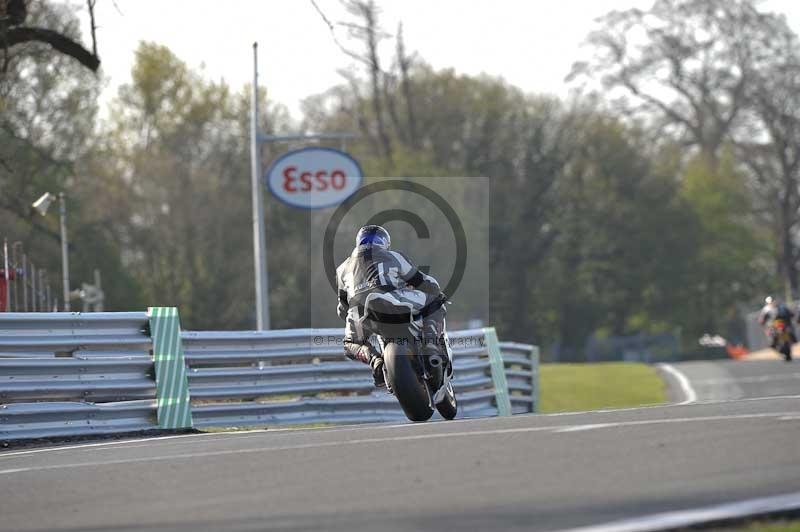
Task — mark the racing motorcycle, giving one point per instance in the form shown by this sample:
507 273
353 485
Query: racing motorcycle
783 339
420 383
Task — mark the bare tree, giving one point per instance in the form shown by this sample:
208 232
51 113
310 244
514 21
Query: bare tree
389 92
359 104
370 33
770 148
404 62
688 62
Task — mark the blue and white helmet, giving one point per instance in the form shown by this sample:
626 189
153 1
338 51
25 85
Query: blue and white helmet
373 235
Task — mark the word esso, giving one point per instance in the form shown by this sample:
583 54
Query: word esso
314 178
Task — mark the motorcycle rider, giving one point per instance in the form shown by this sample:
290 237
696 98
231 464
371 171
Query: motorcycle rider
775 310
372 267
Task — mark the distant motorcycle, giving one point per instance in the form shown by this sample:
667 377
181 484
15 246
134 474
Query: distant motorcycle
783 337
420 383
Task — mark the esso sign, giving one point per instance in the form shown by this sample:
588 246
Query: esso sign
314 178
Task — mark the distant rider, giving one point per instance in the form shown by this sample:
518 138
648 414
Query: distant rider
775 310
372 267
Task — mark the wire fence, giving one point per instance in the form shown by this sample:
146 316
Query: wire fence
24 286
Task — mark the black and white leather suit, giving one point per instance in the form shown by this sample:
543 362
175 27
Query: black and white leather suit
371 269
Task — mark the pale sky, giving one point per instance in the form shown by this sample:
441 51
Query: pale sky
530 43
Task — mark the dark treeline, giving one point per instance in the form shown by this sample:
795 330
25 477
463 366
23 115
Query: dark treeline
661 196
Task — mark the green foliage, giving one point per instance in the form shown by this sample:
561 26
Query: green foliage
175 152
591 231
624 240
595 228
724 269
47 133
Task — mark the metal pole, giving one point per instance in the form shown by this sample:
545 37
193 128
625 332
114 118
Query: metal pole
41 294
33 287
259 237
8 288
62 204
25 282
47 292
15 267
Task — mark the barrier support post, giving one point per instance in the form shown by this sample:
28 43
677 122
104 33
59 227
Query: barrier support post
172 385
535 379
498 372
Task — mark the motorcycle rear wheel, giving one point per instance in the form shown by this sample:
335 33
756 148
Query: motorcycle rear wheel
406 383
786 351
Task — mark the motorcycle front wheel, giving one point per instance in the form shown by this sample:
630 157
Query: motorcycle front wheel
406 383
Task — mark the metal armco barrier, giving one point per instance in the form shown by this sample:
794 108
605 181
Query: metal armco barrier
301 376
72 374
73 334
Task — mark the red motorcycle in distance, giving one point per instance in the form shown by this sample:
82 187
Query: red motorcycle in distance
784 338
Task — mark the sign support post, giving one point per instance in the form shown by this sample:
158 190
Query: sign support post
259 236
259 230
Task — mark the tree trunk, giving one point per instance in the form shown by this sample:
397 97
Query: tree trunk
788 264
375 75
388 92
405 66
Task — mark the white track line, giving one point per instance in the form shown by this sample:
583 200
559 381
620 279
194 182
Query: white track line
761 378
351 443
697 516
122 442
132 443
580 428
688 392
246 434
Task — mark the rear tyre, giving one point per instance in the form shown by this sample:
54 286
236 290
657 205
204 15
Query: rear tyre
407 385
448 407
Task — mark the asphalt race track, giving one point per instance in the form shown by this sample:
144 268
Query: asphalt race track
533 472
730 379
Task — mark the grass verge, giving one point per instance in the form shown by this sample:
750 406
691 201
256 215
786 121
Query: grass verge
772 526
578 387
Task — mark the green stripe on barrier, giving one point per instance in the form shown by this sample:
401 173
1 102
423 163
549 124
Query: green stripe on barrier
498 372
535 376
172 385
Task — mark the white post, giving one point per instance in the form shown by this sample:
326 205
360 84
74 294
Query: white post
5 273
259 237
98 305
62 204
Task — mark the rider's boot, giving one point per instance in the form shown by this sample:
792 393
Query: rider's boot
366 353
378 378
